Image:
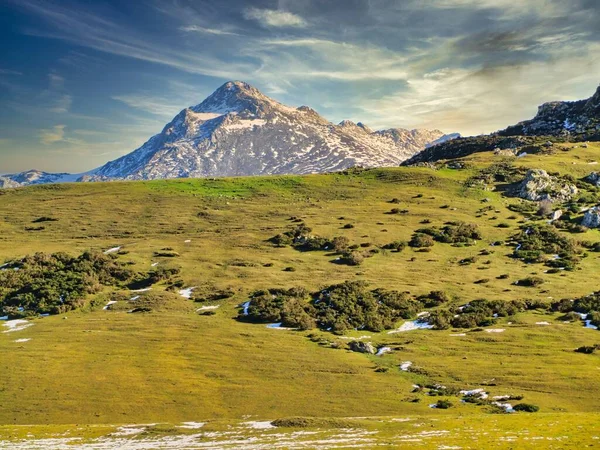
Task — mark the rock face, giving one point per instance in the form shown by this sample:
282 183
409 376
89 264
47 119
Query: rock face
562 118
362 347
593 178
538 186
240 131
591 218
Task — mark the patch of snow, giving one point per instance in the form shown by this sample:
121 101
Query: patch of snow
588 324
208 308
187 292
383 350
245 305
187 241
142 290
521 155
4 318
112 250
542 323
507 406
495 330
134 298
259 425
356 338
277 326
475 393
16 325
412 325
191 425
593 163
112 302
154 264
22 340
458 334
406 365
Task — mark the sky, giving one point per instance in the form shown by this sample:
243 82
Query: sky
83 82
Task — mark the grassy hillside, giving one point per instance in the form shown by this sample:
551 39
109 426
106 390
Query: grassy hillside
174 364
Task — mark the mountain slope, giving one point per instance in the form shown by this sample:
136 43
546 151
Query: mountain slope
556 121
240 131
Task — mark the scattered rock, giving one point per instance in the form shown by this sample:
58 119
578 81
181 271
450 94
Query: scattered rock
591 218
362 347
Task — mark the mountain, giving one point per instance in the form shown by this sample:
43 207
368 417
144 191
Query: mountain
555 121
36 177
580 119
240 131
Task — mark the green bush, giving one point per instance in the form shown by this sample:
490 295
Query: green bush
526 407
56 283
443 404
420 240
530 281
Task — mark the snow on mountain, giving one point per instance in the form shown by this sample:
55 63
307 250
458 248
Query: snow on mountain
239 131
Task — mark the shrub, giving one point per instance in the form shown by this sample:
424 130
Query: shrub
526 407
352 258
434 298
443 404
530 281
420 240
588 350
396 245
340 243
56 283
348 226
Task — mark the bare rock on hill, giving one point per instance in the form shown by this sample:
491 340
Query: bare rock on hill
593 178
538 186
591 218
362 347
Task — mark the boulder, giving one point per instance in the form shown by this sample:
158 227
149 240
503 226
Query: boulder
538 186
593 178
362 347
591 218
556 215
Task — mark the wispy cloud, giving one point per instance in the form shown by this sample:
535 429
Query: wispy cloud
203 30
53 135
274 18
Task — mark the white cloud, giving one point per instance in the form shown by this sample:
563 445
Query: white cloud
274 18
52 135
203 30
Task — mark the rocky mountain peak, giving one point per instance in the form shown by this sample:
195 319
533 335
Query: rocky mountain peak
235 97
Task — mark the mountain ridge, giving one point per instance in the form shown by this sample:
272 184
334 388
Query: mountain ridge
238 130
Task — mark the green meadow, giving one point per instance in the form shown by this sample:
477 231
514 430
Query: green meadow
84 372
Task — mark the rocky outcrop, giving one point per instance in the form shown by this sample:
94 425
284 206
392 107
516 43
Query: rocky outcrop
591 218
362 347
593 178
580 119
538 186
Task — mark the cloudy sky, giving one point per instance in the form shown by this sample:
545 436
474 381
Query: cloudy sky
86 81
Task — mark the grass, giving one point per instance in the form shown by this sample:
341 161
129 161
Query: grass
98 367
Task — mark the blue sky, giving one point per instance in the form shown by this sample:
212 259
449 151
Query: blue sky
86 81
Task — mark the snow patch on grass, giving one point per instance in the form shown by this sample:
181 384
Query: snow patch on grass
16 325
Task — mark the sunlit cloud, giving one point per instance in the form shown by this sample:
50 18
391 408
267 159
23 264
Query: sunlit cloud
274 18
